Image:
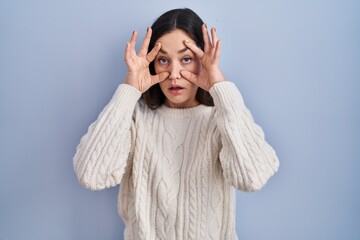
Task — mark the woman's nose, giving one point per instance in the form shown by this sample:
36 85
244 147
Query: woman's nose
175 71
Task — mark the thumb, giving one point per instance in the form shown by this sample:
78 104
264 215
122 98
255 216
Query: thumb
189 76
160 77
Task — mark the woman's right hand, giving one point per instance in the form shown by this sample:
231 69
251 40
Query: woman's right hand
138 74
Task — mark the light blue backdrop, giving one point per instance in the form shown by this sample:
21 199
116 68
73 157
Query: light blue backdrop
297 64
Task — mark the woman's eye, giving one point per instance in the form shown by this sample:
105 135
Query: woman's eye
163 61
186 60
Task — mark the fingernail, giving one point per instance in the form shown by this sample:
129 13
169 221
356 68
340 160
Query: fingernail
215 29
147 29
186 41
205 25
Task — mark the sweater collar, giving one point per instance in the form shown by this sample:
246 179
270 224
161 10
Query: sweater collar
183 112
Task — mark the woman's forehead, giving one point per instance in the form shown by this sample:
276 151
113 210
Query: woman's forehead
173 42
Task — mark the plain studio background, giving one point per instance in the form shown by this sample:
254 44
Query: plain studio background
297 64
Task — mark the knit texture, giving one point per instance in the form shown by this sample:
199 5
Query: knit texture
177 168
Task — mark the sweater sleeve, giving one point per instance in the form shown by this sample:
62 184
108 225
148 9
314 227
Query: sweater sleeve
247 160
103 152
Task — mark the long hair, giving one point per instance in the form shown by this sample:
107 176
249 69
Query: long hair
188 21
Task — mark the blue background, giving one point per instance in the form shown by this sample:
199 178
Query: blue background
297 64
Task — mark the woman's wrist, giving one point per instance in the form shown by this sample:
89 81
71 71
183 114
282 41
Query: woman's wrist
129 80
217 77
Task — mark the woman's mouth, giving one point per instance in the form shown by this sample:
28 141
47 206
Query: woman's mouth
176 90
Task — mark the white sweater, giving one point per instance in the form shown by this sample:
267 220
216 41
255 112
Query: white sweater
177 167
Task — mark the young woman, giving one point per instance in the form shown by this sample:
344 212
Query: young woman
176 136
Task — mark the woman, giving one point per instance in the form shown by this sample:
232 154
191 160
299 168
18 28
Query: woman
176 136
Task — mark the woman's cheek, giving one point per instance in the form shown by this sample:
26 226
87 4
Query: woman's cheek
158 68
193 67
189 67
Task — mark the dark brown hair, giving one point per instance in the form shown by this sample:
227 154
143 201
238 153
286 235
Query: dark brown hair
188 21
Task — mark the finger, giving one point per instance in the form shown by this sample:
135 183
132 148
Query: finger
187 75
214 42
160 77
127 52
198 52
132 43
133 38
145 45
152 54
217 52
206 37
213 36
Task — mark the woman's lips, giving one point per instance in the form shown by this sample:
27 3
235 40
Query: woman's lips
176 90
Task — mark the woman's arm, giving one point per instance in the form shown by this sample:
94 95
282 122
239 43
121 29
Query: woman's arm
103 152
247 160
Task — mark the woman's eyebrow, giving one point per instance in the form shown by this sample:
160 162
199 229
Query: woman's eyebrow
183 50
180 51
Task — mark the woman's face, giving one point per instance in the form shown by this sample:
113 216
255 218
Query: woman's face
173 57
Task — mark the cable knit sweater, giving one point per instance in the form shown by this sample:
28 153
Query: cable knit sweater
177 168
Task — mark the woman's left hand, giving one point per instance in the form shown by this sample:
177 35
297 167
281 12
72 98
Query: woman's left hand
210 72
